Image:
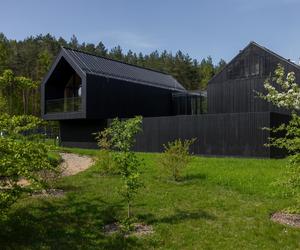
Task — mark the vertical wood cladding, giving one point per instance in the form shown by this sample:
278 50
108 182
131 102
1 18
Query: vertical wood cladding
236 134
234 89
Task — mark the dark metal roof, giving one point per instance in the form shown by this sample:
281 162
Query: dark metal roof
91 64
275 54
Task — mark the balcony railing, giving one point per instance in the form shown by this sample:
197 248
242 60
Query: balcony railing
63 105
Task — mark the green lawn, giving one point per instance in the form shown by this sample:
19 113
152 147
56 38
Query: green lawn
222 203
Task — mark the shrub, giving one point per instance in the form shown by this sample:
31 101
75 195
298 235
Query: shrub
176 157
105 159
105 162
284 92
20 159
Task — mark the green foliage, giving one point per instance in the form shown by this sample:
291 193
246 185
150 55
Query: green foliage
106 163
105 159
176 157
207 71
122 133
284 92
19 91
120 136
17 125
3 105
33 56
20 158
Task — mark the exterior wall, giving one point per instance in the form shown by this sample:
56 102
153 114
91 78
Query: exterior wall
110 98
237 134
79 133
233 89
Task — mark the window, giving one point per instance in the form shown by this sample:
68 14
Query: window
73 87
244 67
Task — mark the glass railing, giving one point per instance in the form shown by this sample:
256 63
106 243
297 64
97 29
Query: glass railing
63 105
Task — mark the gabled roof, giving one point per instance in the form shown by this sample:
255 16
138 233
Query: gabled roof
252 43
97 65
274 54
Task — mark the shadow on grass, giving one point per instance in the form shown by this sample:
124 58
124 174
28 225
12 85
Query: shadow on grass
178 217
63 224
186 180
192 177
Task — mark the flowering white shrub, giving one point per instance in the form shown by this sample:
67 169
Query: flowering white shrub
284 92
287 92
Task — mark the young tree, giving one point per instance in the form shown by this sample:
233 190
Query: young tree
121 136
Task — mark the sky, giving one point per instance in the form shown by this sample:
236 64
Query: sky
216 28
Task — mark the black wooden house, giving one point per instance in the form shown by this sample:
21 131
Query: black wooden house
83 92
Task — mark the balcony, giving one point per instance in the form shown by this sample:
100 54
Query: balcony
72 104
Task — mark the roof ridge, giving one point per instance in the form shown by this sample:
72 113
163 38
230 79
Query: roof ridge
275 54
261 47
114 60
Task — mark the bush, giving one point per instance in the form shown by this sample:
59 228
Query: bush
20 159
105 162
284 92
105 159
176 157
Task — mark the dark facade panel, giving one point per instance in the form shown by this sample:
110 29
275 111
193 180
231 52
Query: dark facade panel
110 98
80 132
237 134
240 95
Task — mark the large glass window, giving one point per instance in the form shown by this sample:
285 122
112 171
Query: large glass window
189 103
73 87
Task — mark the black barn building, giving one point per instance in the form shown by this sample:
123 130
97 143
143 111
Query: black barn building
83 92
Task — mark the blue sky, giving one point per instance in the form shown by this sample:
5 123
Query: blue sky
219 28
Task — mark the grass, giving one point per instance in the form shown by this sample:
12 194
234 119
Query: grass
221 203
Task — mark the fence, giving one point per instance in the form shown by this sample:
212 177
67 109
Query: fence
235 134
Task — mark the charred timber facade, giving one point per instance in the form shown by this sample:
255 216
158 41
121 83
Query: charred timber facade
235 134
84 92
235 88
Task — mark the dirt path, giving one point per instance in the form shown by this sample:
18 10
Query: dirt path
73 163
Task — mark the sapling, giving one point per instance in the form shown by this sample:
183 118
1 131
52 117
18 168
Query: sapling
120 137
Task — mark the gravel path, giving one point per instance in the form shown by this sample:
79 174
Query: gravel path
73 163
